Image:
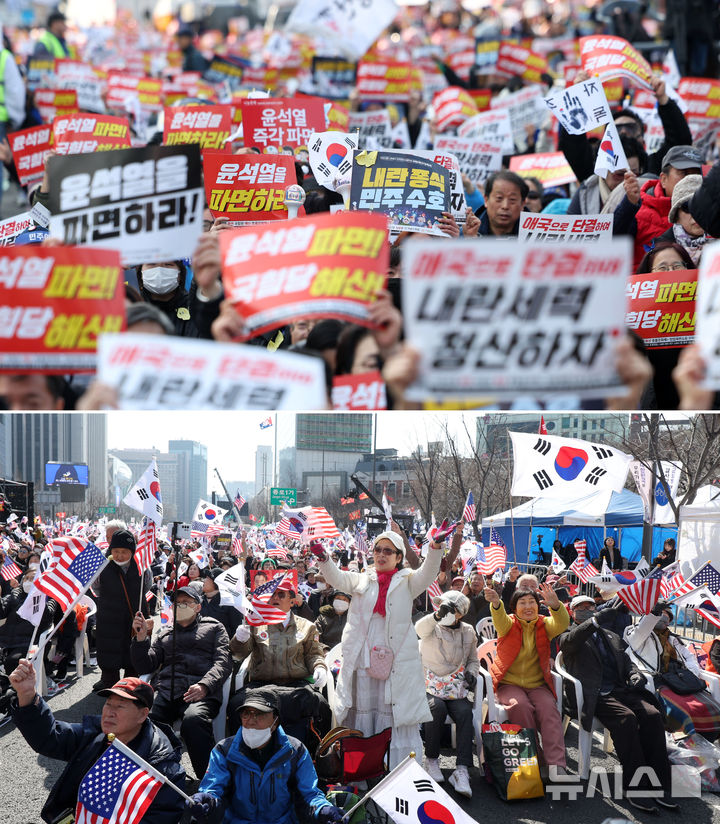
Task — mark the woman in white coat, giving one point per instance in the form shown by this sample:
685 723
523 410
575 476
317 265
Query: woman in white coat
380 617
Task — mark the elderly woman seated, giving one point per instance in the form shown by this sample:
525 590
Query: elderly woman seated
448 651
521 670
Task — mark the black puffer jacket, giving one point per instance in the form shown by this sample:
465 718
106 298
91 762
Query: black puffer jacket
82 744
115 613
190 317
330 625
705 203
16 632
201 656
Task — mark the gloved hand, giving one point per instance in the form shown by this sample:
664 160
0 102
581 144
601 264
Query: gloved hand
445 609
320 677
606 616
318 551
242 633
470 680
329 814
637 681
443 531
201 804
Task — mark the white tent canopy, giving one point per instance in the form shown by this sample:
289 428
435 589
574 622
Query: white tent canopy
699 530
589 510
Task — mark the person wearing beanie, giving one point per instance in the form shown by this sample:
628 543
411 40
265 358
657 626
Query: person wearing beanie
449 656
685 230
120 593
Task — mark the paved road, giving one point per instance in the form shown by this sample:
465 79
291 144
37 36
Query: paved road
25 780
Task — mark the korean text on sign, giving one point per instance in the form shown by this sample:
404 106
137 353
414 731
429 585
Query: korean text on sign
54 303
661 307
207 125
248 187
364 391
87 133
557 228
28 148
281 122
329 266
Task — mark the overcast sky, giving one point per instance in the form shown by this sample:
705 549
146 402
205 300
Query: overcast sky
232 437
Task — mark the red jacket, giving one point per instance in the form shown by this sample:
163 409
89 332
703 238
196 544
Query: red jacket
652 218
509 646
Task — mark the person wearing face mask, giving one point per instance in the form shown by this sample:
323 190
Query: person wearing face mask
320 596
615 692
189 662
448 651
261 773
332 619
191 312
119 588
663 658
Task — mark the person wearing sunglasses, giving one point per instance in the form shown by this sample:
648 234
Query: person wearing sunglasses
534 199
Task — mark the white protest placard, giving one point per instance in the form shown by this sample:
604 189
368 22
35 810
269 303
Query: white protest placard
330 156
525 107
11 227
478 159
580 108
352 26
81 77
707 314
490 127
373 129
559 228
505 319
146 203
152 372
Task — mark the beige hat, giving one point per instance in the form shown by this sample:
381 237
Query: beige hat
395 539
682 193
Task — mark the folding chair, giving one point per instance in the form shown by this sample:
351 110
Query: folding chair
365 758
485 629
82 648
220 720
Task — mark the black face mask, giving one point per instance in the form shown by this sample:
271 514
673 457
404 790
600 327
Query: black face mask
582 615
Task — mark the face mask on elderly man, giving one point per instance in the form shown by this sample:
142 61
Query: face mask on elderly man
160 279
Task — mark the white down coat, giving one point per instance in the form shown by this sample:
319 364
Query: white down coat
405 688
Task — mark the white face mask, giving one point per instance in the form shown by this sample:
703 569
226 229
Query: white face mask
160 279
255 738
320 586
340 606
122 564
447 620
27 586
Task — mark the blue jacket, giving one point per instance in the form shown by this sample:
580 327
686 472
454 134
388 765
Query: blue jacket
255 796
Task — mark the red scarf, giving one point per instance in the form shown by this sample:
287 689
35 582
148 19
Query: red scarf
384 579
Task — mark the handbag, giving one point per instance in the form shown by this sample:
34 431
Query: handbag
512 761
681 680
449 686
328 762
381 661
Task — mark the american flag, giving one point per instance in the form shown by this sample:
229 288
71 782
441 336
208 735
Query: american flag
60 545
707 576
275 551
262 611
72 574
642 596
469 510
361 542
146 546
492 557
236 546
307 523
583 568
115 791
434 591
239 500
581 549
9 569
672 580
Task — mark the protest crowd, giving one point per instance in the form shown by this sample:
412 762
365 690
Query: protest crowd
307 216
297 664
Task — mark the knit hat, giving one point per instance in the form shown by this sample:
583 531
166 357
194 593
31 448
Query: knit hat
682 193
124 539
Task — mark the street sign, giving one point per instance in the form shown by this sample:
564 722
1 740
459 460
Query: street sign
280 495
107 510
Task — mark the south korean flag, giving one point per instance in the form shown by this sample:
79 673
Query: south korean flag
145 495
330 155
232 586
548 466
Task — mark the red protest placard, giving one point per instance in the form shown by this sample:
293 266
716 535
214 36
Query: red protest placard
124 87
88 133
481 98
53 102
327 266
550 168
519 61
606 56
53 305
452 107
364 391
661 307
248 187
28 149
702 97
387 80
207 125
278 122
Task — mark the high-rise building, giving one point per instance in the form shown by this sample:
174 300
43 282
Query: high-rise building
336 433
174 472
263 467
196 484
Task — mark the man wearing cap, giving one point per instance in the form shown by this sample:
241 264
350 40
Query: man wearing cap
643 212
190 662
262 773
125 715
120 591
614 692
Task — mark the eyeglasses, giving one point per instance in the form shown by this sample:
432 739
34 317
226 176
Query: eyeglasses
283 593
248 714
668 267
630 129
379 550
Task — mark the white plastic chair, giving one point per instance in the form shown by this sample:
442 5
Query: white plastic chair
485 629
220 719
39 664
82 648
331 657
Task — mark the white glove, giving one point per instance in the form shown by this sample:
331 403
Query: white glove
242 633
320 677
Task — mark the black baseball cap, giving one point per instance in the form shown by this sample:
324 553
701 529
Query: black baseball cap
192 592
683 157
133 688
260 700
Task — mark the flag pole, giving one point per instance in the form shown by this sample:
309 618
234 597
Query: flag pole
369 794
134 757
512 530
142 573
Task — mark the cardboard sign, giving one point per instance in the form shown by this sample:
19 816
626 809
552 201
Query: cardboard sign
387 80
580 108
163 372
314 267
207 125
559 228
338 118
606 56
51 103
493 126
550 168
661 307
452 107
478 159
412 191
278 122
356 392
462 62
520 61
373 129
146 203
125 91
223 69
28 149
54 303
11 227
506 319
248 187
87 133
333 77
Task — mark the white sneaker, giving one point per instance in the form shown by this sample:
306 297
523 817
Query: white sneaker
460 782
52 688
432 768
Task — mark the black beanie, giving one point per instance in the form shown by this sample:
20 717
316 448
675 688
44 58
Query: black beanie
122 539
